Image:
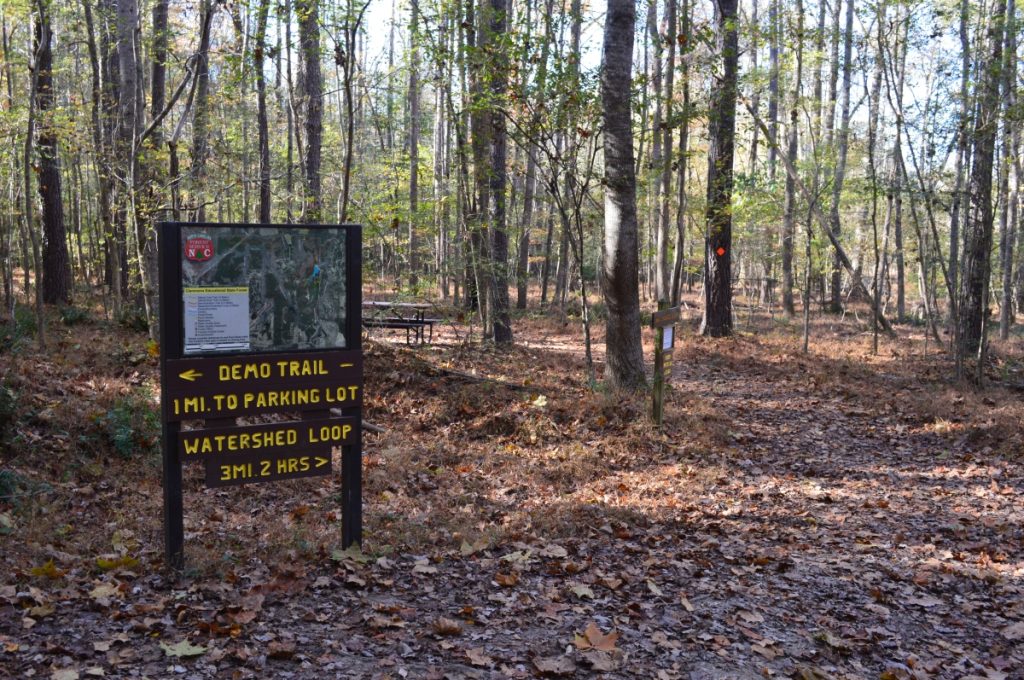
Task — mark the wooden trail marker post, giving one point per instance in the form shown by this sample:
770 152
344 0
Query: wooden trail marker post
663 321
260 320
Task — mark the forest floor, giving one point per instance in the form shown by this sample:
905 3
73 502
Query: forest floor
835 514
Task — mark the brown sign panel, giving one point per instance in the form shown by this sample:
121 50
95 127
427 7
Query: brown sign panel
232 470
252 372
239 385
664 317
312 436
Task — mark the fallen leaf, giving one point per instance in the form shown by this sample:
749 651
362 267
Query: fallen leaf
1014 631
924 601
600 661
353 553
281 649
593 638
478 657
65 674
764 651
750 617
653 587
47 570
581 591
445 626
554 665
103 592
506 580
686 603
182 649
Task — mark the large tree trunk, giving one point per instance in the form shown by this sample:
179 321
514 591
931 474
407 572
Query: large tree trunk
414 140
1011 147
201 114
683 166
956 218
261 110
498 303
624 366
978 237
773 85
313 106
56 268
722 136
789 211
663 290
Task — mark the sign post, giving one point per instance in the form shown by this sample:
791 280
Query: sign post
663 321
260 320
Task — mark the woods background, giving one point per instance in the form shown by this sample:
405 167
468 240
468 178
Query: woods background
875 147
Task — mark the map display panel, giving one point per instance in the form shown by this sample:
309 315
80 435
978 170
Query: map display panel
263 289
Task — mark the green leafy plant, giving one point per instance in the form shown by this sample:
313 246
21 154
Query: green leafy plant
71 316
130 426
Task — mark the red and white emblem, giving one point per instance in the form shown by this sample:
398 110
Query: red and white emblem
199 248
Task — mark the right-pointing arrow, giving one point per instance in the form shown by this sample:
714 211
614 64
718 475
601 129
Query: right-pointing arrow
320 462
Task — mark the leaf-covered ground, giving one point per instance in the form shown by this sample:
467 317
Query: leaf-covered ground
829 515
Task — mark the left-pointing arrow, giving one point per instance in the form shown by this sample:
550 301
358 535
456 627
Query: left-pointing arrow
190 375
320 462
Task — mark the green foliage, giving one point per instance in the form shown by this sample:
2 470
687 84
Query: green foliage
8 408
18 330
130 426
133 318
72 316
10 485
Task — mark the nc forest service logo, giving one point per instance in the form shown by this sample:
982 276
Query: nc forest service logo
199 248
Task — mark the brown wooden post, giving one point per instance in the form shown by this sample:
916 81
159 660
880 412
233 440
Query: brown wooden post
663 321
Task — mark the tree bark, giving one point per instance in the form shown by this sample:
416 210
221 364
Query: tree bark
56 267
414 140
789 210
624 366
663 281
722 136
978 237
307 12
262 124
1011 147
498 307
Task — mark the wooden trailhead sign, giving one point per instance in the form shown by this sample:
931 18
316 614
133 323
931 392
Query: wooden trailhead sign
663 321
261 369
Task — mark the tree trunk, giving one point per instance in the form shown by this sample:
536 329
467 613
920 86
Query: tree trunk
978 237
956 218
721 135
201 114
414 140
663 290
1011 147
789 211
261 110
773 85
624 366
56 268
498 306
307 12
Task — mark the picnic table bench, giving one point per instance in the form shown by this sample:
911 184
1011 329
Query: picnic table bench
408 316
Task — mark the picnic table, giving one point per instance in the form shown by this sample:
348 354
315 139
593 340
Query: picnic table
408 316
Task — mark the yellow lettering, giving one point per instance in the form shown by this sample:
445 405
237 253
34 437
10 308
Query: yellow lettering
264 468
282 466
191 447
225 473
293 367
303 463
224 372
